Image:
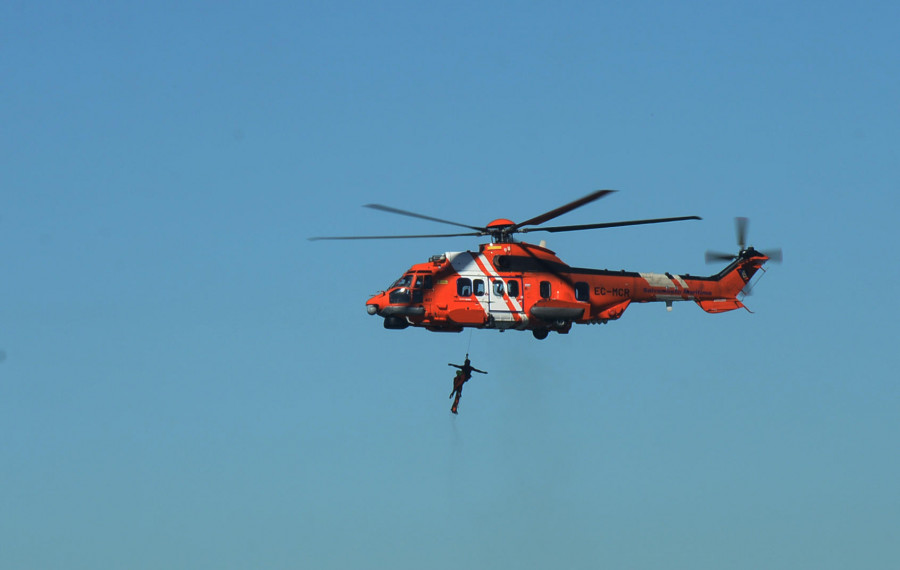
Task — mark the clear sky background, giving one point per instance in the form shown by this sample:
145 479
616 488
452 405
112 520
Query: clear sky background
187 382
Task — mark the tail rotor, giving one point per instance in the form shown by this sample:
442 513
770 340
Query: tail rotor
740 226
745 252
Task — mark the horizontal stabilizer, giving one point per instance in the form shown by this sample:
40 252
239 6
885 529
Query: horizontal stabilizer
720 305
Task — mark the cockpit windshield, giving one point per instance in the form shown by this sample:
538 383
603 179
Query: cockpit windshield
404 281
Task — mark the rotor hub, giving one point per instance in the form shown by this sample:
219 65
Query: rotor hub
501 230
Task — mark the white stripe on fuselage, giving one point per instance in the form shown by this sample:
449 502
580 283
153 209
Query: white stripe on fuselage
663 281
464 263
504 312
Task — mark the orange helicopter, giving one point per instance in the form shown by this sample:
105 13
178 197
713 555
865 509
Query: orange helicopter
514 285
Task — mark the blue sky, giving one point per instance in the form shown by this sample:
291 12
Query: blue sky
187 382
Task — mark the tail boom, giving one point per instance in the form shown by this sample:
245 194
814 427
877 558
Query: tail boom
714 294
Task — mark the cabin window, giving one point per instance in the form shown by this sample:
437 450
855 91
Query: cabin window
479 287
582 291
545 289
464 287
513 287
498 287
404 281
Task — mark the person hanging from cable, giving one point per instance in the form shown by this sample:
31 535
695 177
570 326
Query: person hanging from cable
462 376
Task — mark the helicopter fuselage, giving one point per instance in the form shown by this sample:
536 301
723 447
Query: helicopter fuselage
521 286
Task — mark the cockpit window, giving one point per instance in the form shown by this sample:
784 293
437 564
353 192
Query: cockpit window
418 281
404 281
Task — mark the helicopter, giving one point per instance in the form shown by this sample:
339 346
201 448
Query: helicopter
510 284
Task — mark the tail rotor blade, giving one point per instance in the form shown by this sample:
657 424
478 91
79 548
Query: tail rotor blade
715 256
740 226
774 255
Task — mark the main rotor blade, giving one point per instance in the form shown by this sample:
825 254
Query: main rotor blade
609 225
547 265
562 209
394 237
415 215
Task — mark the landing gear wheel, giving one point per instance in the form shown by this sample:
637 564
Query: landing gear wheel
540 334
